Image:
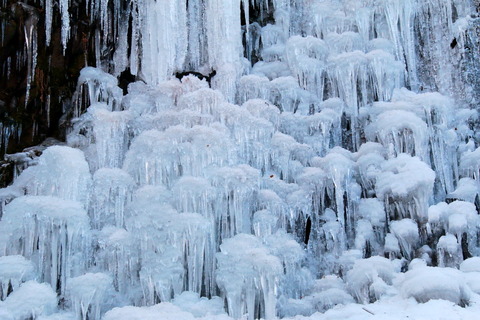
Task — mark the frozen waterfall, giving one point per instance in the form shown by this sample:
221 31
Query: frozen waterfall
273 159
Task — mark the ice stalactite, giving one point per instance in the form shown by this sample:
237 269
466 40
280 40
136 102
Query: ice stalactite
178 257
401 132
307 60
369 277
95 87
31 46
87 294
246 269
170 44
113 191
223 32
48 20
197 54
400 20
152 160
234 185
54 234
404 196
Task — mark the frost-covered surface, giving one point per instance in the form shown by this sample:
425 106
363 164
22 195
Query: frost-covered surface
332 173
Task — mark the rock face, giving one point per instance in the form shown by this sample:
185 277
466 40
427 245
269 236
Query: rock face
37 76
45 44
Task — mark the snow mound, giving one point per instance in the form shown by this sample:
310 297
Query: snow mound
371 278
31 300
164 311
430 283
14 270
71 179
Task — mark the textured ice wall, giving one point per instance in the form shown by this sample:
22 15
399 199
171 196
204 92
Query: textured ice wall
342 153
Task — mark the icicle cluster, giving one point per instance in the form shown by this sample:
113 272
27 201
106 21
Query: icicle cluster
342 156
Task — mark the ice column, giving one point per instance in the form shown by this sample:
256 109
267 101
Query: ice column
52 232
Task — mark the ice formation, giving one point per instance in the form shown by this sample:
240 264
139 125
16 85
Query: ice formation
332 159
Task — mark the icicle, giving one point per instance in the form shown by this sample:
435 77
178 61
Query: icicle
30 31
111 136
111 193
387 74
48 20
197 42
223 32
400 18
98 86
406 232
88 293
400 132
163 52
449 251
306 58
118 254
232 209
348 75
175 250
245 270
406 185
53 233
151 158
64 5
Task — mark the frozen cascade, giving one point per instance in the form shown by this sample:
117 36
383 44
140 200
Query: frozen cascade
337 163
71 181
174 245
94 86
409 179
244 266
53 232
112 192
86 293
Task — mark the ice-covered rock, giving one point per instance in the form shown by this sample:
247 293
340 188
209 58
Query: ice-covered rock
31 300
427 283
406 232
449 251
14 270
470 265
112 191
406 185
458 218
246 270
371 278
61 172
52 232
95 85
88 293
